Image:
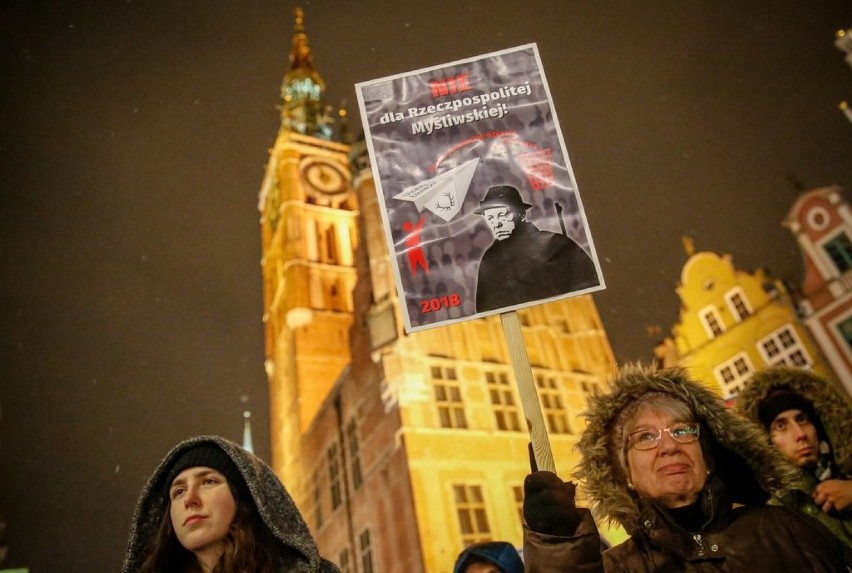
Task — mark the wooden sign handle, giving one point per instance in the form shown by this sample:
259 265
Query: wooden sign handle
527 390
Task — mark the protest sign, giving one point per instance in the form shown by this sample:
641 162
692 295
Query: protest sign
479 201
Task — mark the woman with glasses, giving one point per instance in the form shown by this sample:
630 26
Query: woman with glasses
687 479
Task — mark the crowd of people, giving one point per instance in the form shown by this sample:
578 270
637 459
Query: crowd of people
697 486
690 480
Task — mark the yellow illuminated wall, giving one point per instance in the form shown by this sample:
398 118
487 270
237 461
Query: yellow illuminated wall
734 322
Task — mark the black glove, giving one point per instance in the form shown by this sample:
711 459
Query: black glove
549 504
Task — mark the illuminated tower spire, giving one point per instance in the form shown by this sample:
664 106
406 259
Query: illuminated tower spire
304 109
248 443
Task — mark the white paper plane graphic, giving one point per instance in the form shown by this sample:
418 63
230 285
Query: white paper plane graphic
444 193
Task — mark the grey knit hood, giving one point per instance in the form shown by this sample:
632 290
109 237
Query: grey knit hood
742 459
273 503
832 406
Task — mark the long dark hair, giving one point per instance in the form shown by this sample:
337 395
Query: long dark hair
249 545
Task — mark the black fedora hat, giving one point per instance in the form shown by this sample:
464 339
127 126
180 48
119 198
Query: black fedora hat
502 195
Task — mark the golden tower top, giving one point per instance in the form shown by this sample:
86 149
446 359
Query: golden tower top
303 88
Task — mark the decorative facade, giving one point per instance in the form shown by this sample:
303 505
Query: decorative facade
821 222
399 449
733 323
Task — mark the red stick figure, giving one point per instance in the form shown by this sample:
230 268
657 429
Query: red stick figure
413 248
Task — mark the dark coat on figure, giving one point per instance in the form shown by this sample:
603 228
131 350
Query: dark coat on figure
530 265
741 532
273 503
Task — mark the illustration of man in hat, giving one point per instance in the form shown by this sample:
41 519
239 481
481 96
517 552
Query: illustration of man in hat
524 263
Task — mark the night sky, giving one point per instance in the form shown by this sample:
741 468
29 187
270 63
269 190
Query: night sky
133 142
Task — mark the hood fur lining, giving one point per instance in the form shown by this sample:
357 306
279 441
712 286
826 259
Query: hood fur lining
739 445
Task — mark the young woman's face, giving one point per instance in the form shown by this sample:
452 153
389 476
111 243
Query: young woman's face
671 473
202 509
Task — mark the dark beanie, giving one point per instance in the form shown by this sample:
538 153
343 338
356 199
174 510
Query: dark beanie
499 553
783 399
207 455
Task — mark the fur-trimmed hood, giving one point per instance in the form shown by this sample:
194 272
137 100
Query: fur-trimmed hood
273 503
749 467
831 405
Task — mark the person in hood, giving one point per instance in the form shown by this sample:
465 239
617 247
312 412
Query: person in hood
685 477
525 263
211 507
489 557
810 422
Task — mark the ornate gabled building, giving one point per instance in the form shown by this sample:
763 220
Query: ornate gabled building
733 323
399 449
821 222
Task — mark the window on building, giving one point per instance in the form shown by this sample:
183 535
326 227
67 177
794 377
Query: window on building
784 348
354 454
712 322
335 299
503 401
331 244
839 249
738 304
448 397
552 405
316 496
518 495
366 552
733 374
845 328
353 237
470 508
797 358
334 476
771 349
343 562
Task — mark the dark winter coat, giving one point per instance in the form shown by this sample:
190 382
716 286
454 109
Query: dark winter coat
531 265
835 418
273 503
741 532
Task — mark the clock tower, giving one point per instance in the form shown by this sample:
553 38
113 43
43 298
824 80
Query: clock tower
308 219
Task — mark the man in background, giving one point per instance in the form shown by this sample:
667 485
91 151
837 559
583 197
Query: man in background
809 421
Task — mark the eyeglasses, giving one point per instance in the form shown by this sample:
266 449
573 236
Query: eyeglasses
682 433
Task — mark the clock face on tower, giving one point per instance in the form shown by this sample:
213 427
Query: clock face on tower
323 176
